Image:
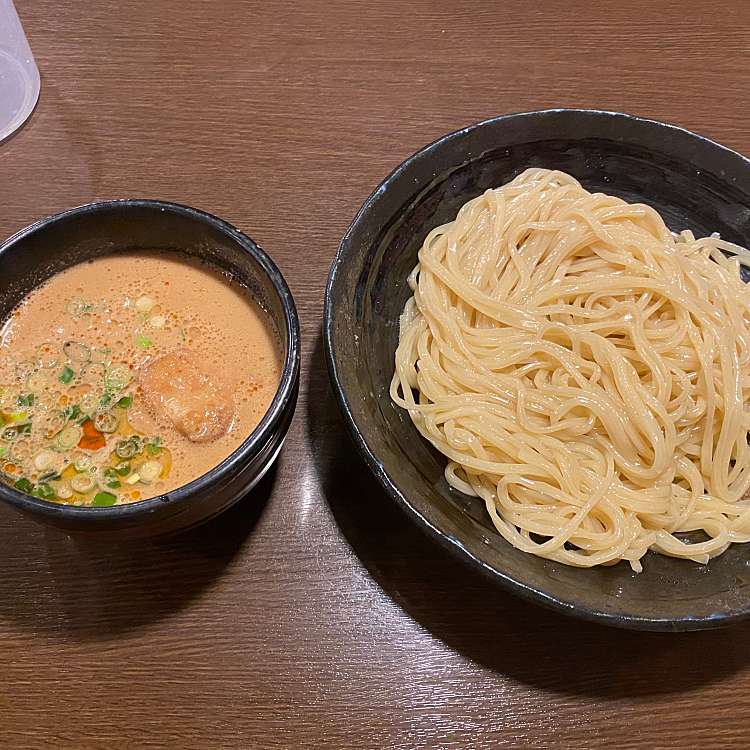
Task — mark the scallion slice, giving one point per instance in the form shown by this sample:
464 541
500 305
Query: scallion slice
117 377
71 413
24 485
82 483
67 375
9 434
150 471
68 437
81 462
125 402
106 422
102 499
129 448
44 491
154 446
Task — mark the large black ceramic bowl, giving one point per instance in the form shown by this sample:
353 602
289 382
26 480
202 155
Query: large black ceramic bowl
691 181
50 245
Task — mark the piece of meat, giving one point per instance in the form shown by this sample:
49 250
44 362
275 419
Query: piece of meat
177 386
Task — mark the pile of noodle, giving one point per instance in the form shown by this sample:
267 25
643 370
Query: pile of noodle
585 371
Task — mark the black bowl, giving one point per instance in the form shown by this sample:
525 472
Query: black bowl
50 245
691 181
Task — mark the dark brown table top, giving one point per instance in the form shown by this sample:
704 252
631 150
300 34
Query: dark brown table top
314 614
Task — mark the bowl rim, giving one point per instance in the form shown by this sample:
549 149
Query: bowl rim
445 539
260 435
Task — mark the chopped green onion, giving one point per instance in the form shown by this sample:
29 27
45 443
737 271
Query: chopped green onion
89 402
44 491
106 422
117 378
114 484
144 304
69 437
9 434
154 446
81 462
125 402
71 413
24 485
150 471
122 469
143 342
45 460
106 401
66 375
82 483
63 491
104 498
129 448
3 451
27 400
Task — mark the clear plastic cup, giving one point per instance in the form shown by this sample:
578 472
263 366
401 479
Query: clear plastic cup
19 76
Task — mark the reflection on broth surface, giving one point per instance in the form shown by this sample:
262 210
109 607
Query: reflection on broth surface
128 376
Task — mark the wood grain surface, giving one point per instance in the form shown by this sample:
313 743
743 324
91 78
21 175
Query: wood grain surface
313 614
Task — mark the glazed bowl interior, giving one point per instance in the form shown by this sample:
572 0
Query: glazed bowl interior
38 252
692 182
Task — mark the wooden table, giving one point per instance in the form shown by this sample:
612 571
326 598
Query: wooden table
313 614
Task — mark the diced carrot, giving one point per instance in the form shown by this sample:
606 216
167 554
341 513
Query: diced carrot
92 439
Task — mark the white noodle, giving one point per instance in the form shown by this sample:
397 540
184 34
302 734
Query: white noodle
585 371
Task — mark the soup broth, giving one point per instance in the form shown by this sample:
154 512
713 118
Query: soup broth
128 376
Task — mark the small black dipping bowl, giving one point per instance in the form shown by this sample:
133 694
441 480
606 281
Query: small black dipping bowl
692 182
53 244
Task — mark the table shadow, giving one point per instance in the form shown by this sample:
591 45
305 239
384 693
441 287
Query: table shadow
474 615
92 591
